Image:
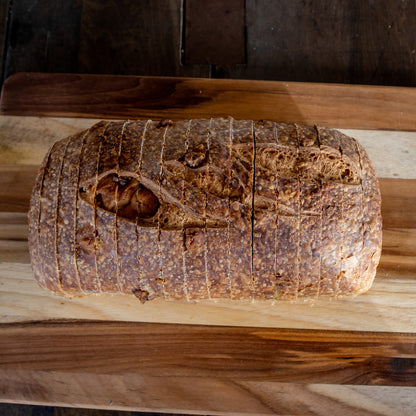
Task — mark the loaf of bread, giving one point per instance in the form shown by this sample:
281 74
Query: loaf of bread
206 209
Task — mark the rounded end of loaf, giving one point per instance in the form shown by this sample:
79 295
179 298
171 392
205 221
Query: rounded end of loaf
41 254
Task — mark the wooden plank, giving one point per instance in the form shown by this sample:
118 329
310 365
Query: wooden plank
223 46
74 36
349 43
16 183
333 105
398 203
214 396
388 306
42 38
344 357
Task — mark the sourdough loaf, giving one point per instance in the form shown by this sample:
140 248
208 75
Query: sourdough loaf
206 209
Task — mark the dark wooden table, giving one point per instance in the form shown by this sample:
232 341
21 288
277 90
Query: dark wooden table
354 42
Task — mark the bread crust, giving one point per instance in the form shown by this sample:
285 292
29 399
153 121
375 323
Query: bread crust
86 238
105 222
206 209
129 265
49 197
66 220
194 238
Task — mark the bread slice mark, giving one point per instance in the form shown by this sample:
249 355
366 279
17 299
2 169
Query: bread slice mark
95 207
344 230
361 193
76 211
320 218
141 144
195 161
253 184
120 286
207 280
158 282
342 239
36 204
47 236
241 198
229 208
142 286
129 268
58 197
185 274
159 247
276 271
298 217
148 289
263 234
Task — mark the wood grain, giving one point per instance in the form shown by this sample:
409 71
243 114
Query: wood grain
354 43
203 396
292 40
149 32
206 370
388 306
85 36
40 44
399 202
333 105
344 357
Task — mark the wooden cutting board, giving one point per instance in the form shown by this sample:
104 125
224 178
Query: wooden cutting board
208 357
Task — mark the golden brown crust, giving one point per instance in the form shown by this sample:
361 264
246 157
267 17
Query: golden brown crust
194 238
66 221
264 241
105 222
85 227
47 251
172 240
241 204
128 250
34 220
218 249
206 209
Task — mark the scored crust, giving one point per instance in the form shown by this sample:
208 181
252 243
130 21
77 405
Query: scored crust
34 220
217 239
310 207
206 209
264 244
172 260
148 233
128 250
48 218
105 221
66 233
85 221
194 238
